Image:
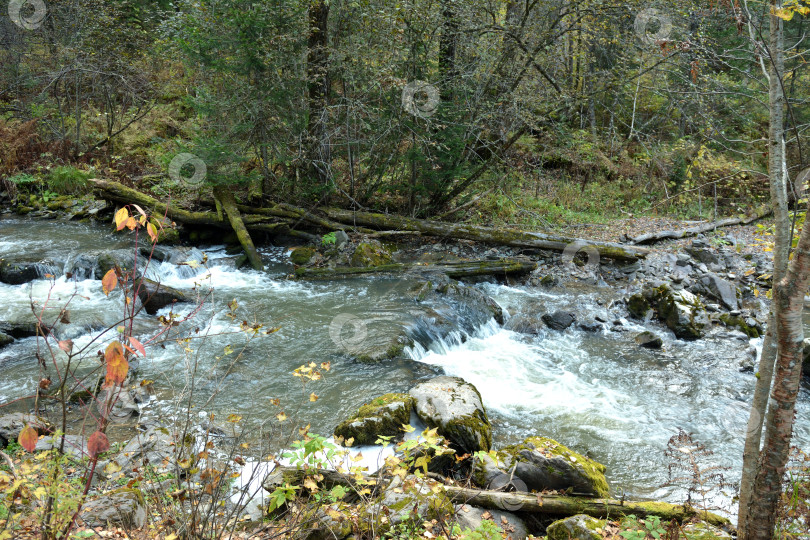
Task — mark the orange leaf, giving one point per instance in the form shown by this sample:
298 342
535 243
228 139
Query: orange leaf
121 218
131 223
150 229
109 282
117 365
28 438
97 444
138 346
66 345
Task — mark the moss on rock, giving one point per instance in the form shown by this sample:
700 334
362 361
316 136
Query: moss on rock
302 255
368 254
384 415
579 527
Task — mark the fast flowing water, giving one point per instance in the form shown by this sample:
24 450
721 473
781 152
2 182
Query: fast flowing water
596 392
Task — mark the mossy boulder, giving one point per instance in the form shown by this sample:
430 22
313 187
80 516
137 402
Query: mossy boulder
544 464
579 527
638 306
384 415
17 273
302 256
681 311
649 340
5 339
743 324
368 254
454 407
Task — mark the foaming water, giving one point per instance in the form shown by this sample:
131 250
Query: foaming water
602 394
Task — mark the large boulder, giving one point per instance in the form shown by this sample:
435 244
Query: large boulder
123 508
19 330
155 296
384 416
681 311
648 340
368 254
541 464
454 407
156 447
720 289
474 306
17 273
302 256
700 250
12 424
579 527
471 517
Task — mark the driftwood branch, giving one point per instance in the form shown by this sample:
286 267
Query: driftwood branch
225 198
698 229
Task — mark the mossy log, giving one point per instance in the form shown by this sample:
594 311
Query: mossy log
115 191
489 235
533 503
456 270
569 506
225 198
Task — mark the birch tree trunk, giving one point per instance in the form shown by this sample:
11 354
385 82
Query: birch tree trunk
782 240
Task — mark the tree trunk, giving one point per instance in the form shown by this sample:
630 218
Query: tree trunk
317 89
447 49
500 267
225 196
782 242
503 237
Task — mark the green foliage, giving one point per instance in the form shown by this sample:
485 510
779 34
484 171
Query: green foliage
488 530
23 181
67 180
314 451
329 239
640 529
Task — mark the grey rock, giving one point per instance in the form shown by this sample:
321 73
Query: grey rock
155 296
471 517
124 508
648 340
384 416
5 339
454 407
559 320
17 273
75 445
721 289
341 239
12 424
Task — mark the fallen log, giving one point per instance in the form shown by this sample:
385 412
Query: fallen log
534 503
651 238
225 198
117 192
455 270
569 506
504 237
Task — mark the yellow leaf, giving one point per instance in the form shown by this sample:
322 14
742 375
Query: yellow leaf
313 397
120 218
152 232
281 416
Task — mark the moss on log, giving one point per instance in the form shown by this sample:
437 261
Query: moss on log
533 503
457 270
489 235
226 199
